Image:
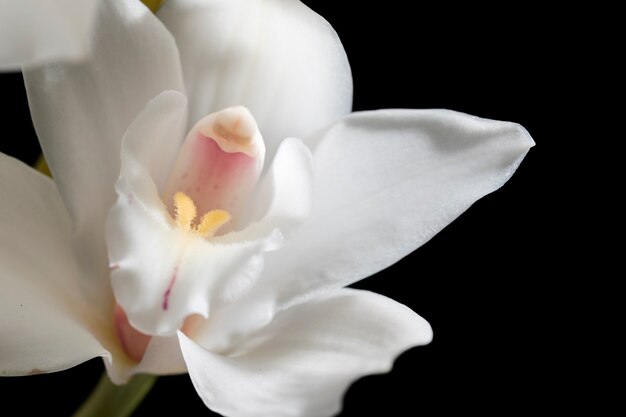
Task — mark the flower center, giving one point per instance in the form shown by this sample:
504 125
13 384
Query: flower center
210 181
186 213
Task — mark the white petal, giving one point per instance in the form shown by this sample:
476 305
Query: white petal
45 323
385 183
284 197
162 274
278 58
303 362
81 112
37 31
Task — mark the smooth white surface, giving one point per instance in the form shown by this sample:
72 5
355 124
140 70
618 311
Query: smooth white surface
46 324
278 58
81 111
385 183
33 32
303 362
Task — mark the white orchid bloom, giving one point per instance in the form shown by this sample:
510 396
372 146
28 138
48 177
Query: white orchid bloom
36 31
239 197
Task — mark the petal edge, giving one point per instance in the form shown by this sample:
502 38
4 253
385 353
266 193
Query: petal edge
386 182
302 363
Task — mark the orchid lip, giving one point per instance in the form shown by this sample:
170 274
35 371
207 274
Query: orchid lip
189 247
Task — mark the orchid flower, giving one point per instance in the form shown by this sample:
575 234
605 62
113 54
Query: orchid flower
37 31
212 198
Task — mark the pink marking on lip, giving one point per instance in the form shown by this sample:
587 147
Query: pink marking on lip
168 291
211 176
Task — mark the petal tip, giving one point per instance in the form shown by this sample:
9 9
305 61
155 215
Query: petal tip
526 137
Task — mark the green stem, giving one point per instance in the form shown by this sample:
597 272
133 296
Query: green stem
113 400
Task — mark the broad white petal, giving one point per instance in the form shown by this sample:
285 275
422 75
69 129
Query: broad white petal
278 58
45 323
160 273
303 362
37 31
385 183
81 112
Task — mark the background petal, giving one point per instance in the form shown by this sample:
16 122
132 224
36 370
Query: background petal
386 182
46 324
37 31
81 111
278 58
303 362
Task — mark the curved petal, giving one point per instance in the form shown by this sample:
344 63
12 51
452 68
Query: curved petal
278 58
35 31
385 183
46 324
284 196
81 112
303 362
161 274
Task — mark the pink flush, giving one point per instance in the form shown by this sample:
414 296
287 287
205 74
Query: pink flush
215 179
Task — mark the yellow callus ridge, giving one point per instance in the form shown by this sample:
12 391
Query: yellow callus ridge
212 221
186 212
153 5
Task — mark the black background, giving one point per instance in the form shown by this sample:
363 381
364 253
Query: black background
480 282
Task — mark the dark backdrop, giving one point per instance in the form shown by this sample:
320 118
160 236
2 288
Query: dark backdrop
479 282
